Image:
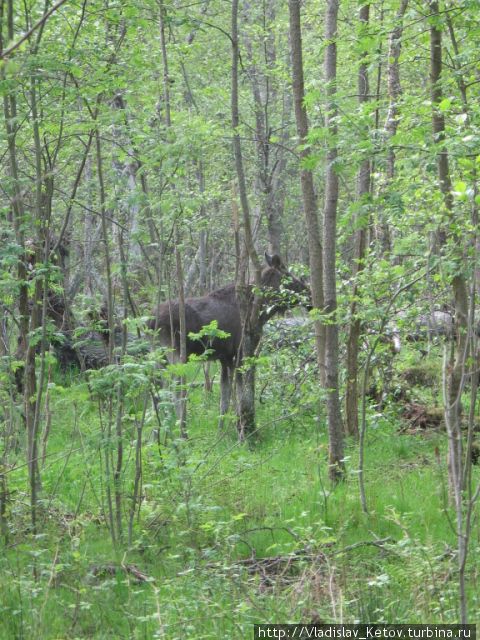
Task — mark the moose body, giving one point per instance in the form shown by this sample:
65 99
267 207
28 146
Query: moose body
220 305
278 289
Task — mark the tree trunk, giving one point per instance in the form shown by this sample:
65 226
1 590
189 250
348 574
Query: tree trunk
126 173
270 174
166 78
249 304
335 430
363 196
306 178
106 243
28 320
454 373
394 87
182 392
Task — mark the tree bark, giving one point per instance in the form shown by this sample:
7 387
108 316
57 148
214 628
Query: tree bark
126 172
306 179
456 370
271 158
394 86
335 430
182 392
166 78
363 196
249 304
28 319
106 243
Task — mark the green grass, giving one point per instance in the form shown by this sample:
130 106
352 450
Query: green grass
208 505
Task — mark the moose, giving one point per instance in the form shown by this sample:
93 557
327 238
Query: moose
280 290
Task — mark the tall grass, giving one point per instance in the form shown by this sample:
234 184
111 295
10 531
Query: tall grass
213 511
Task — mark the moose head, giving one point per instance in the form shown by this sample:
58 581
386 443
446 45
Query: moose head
281 290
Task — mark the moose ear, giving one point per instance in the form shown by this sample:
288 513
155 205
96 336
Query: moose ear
274 261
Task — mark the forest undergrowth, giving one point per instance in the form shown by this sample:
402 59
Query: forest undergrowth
228 534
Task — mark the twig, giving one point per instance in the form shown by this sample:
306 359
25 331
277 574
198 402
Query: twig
27 35
364 543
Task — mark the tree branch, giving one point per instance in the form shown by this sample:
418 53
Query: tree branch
27 35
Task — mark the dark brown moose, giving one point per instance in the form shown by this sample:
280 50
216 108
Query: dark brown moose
280 290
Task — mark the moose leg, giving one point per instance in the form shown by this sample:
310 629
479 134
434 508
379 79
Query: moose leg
245 389
225 390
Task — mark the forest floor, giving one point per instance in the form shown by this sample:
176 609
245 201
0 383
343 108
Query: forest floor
229 535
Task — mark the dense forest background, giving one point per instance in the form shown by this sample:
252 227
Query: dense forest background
153 151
